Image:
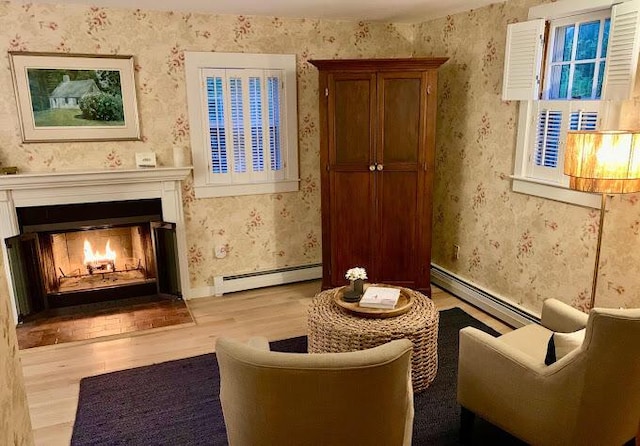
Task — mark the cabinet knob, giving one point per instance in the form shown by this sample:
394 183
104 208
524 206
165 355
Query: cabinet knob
372 167
380 167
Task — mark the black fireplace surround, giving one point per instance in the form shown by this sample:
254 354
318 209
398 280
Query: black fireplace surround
42 283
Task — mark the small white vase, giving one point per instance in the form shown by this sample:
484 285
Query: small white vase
179 159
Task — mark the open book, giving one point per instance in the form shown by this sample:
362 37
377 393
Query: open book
380 297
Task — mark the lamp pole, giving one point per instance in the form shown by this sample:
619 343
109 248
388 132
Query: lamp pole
594 284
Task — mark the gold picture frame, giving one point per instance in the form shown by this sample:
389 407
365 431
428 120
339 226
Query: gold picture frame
75 97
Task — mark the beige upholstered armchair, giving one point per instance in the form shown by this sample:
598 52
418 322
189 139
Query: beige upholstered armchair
357 398
590 396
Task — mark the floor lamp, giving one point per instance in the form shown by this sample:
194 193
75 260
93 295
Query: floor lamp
607 162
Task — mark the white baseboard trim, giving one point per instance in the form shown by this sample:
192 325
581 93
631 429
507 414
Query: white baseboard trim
203 291
259 279
496 306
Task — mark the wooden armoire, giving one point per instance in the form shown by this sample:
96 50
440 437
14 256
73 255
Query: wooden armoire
377 159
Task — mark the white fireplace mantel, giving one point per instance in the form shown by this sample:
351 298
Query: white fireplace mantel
71 187
36 180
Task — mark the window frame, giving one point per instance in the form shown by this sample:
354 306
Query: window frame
549 63
206 182
522 182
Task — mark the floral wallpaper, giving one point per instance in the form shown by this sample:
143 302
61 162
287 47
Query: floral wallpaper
522 248
15 424
257 232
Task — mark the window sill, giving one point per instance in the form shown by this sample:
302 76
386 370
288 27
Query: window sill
226 190
555 192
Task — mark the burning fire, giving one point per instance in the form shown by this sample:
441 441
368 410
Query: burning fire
97 260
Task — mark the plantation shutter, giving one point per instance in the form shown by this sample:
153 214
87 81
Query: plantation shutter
583 120
216 123
245 126
553 120
257 127
622 57
548 138
236 124
273 105
523 60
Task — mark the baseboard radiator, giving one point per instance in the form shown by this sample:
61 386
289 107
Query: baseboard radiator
510 314
259 279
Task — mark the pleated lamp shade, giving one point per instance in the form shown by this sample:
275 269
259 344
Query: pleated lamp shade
603 161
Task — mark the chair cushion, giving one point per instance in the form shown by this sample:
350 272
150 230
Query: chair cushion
531 339
560 344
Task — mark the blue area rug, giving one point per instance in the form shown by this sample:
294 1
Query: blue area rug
177 402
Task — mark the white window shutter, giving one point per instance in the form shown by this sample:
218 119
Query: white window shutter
548 132
523 59
622 57
552 120
545 150
583 120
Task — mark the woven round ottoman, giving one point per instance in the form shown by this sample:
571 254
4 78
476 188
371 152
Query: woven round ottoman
333 329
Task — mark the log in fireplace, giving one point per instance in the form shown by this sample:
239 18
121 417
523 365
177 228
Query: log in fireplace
75 254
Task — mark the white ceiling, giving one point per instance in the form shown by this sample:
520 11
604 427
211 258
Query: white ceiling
408 11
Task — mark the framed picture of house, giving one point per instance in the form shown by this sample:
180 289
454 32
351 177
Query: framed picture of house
75 97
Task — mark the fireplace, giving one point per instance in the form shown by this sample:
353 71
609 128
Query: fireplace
91 252
73 238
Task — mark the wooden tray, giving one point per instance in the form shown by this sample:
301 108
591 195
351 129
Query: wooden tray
405 301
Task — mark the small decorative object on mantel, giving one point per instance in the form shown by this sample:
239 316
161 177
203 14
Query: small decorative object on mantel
179 159
145 159
9 170
357 277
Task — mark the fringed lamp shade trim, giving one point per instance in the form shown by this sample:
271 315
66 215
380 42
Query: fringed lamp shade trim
604 161
604 186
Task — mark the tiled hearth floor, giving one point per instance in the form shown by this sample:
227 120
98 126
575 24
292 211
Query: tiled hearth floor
102 320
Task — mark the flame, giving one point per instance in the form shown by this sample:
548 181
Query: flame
93 257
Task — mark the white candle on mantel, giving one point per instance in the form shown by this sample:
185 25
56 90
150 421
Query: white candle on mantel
178 157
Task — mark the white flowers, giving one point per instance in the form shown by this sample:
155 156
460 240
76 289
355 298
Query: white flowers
356 273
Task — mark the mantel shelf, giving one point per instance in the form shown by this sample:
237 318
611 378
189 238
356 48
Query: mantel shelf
39 180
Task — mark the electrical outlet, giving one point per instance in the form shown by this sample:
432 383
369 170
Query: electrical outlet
456 252
220 252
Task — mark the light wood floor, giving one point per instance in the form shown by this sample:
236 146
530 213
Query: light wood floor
52 373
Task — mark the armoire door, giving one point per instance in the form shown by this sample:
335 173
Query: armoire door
400 178
352 113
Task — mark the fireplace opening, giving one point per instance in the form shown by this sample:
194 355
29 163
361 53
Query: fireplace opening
100 258
93 252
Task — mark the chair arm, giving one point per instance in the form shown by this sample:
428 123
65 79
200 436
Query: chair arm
558 316
259 342
510 388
